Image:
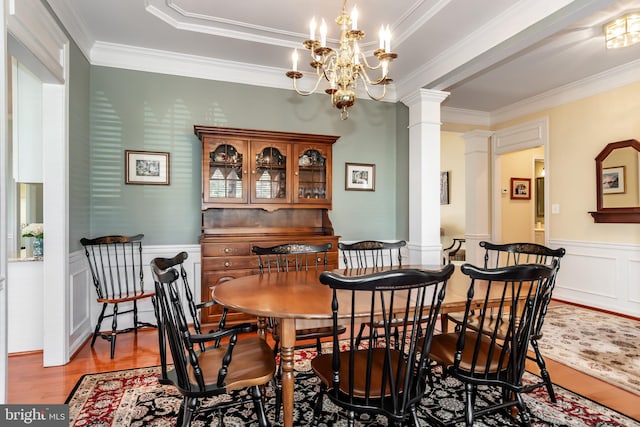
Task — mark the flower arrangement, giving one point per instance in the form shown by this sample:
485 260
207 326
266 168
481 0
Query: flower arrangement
33 230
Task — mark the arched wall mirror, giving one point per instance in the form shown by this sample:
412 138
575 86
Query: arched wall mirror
618 183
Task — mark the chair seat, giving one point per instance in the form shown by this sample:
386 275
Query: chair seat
252 364
443 349
474 321
321 365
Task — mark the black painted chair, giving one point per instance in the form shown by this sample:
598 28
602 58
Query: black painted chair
389 379
296 257
116 269
212 364
455 251
177 262
500 255
372 254
491 353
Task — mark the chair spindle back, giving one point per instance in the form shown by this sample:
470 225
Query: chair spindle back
292 257
116 265
372 253
389 378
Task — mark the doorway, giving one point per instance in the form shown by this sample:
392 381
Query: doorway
33 36
514 154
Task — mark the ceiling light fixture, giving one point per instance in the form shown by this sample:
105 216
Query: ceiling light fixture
343 68
623 31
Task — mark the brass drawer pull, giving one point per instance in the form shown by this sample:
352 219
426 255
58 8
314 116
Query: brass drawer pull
227 264
227 250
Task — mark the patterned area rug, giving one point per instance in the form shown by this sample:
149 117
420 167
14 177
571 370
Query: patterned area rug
135 398
599 344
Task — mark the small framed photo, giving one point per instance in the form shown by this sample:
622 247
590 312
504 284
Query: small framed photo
360 177
520 188
146 167
444 188
613 180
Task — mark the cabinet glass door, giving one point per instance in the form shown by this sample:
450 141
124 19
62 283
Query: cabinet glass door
312 176
270 175
225 181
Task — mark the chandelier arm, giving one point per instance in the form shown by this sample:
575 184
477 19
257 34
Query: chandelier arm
369 66
367 80
375 98
315 87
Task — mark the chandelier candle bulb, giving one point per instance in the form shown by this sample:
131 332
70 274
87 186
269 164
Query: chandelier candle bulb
323 34
387 40
294 59
312 29
354 19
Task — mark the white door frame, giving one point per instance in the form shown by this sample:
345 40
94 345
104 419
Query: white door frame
44 47
524 136
3 206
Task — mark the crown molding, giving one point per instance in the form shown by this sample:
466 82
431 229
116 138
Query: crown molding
464 116
219 27
513 21
178 64
593 85
73 24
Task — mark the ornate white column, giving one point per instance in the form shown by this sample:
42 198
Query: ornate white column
424 176
477 193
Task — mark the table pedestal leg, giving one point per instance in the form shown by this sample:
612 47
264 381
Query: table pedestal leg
262 327
287 344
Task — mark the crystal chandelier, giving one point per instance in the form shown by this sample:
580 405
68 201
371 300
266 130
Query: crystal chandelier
623 31
343 68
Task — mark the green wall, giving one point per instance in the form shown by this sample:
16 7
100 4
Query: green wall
131 110
79 171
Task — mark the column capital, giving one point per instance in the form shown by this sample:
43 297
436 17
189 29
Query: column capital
477 141
477 134
424 95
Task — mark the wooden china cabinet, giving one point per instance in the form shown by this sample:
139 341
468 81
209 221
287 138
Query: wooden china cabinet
260 188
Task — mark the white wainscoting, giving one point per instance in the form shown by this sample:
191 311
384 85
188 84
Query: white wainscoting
85 309
602 275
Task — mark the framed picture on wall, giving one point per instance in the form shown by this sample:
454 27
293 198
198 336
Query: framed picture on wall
146 167
520 188
613 180
360 176
444 188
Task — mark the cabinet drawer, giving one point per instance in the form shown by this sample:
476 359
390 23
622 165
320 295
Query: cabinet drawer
229 263
226 249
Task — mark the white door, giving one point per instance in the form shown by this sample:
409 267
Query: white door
3 207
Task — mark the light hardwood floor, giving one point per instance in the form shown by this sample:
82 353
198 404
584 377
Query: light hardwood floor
30 383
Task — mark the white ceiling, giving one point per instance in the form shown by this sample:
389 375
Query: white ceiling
491 55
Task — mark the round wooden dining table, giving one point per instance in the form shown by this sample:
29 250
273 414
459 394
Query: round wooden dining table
293 295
